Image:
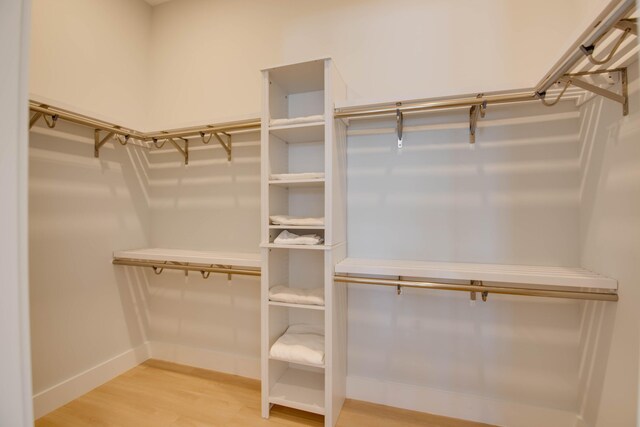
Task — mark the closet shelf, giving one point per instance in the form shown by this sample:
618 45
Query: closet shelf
303 247
300 132
292 305
296 227
558 282
315 182
295 362
205 263
299 389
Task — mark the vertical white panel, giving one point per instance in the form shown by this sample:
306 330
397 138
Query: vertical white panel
15 363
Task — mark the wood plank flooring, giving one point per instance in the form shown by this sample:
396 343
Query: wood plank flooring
156 394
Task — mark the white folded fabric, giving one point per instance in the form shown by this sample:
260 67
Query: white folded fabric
296 120
288 238
295 220
300 344
313 296
292 176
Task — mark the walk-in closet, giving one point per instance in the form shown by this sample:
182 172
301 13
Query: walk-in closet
338 213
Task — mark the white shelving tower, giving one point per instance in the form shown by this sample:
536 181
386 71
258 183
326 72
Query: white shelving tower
308 89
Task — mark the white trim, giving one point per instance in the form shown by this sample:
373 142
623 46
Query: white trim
228 363
457 405
74 387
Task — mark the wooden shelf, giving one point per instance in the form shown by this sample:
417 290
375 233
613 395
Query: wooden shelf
299 132
291 305
503 273
316 182
303 247
299 389
296 363
191 257
296 227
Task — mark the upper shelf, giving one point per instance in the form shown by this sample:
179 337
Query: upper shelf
299 132
192 257
515 274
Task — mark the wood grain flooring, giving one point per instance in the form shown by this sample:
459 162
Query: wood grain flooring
156 394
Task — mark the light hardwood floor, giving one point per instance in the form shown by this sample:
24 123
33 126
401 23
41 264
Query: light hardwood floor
157 394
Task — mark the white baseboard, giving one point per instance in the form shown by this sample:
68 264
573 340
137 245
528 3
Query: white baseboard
457 405
228 363
74 387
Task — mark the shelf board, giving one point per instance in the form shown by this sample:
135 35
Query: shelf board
191 257
315 182
303 247
503 273
296 227
299 132
292 305
296 363
299 389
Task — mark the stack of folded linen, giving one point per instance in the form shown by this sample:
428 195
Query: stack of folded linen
288 238
285 294
297 120
295 220
300 344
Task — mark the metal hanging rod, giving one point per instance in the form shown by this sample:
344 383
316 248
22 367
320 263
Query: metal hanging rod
205 270
434 104
609 18
52 114
477 286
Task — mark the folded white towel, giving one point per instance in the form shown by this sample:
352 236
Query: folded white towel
299 347
295 220
313 296
294 176
296 120
288 238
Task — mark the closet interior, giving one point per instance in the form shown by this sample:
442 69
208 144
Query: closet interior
335 220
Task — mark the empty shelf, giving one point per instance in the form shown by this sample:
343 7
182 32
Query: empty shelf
300 132
314 182
299 389
504 273
293 305
304 247
191 257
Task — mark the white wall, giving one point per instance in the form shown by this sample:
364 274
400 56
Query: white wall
211 204
610 242
15 369
206 54
511 198
86 321
92 56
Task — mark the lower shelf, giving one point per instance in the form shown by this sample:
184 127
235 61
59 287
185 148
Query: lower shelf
299 389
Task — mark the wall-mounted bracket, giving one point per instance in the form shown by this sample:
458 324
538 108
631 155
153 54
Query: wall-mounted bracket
483 294
476 111
399 124
98 143
34 119
622 98
184 151
225 145
629 23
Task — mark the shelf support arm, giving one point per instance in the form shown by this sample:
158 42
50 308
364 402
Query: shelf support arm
225 145
34 119
98 143
620 98
184 151
475 112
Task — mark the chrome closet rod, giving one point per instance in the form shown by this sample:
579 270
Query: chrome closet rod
185 267
69 116
604 22
435 104
550 293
